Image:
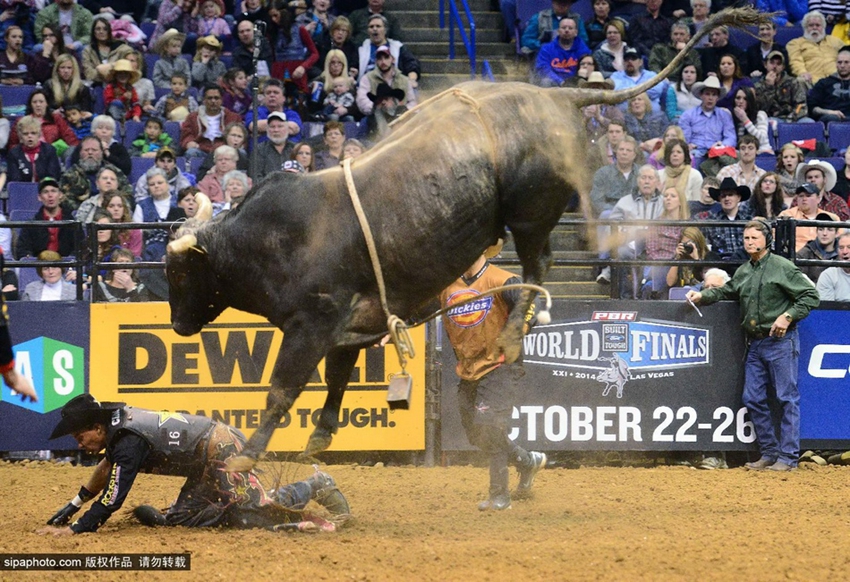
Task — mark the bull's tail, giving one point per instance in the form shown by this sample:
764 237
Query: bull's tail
736 17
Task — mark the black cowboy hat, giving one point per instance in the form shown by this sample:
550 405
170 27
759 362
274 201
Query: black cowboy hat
730 184
83 411
383 91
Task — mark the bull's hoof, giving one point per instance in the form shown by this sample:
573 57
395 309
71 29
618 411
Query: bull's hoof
317 443
240 464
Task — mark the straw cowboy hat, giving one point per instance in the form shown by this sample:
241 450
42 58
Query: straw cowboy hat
709 83
209 42
596 81
125 66
162 42
829 174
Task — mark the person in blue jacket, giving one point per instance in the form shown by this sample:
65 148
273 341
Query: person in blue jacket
543 26
558 60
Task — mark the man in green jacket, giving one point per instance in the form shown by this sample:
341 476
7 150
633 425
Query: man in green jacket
72 19
774 296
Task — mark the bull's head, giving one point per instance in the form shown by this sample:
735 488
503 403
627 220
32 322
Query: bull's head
192 287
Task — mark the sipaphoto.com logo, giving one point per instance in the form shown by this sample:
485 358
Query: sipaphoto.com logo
56 370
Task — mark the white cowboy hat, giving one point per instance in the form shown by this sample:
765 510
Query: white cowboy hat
829 174
709 83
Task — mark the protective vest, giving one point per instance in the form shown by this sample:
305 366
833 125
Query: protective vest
474 328
175 438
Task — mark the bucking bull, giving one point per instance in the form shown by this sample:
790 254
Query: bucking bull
442 187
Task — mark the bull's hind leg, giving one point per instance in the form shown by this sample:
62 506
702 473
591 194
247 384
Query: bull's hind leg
338 366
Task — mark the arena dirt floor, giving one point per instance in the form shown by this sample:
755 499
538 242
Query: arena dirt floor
414 523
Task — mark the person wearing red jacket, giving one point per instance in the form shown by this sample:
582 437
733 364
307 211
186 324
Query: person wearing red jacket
120 97
203 130
54 129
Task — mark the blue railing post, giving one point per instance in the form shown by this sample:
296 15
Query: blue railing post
468 40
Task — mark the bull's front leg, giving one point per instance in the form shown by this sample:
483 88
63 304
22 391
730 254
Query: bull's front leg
338 366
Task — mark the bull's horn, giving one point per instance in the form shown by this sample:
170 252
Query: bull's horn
184 243
204 212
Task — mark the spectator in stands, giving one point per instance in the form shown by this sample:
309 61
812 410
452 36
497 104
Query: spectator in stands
236 184
705 203
608 143
767 200
633 74
175 14
243 53
339 102
822 174
386 72
597 27
335 66
334 136
662 242
692 246
99 57
808 207
5 127
701 9
225 161
303 154
169 47
16 67
159 207
106 181
317 20
177 180
755 59
107 241
44 58
609 56
731 79
361 19
122 101
177 105
719 39
251 11
678 172
202 131
745 172
339 40
292 45
829 99
645 125
236 136
32 241
788 12
272 153
208 21
822 248
597 117
234 91
542 27
788 159
842 183
834 11
679 95
650 28
707 125
749 120
70 18
610 183
74 117
274 100
662 54
79 182
103 128
727 242
66 87
117 205
54 129
644 204
367 52
52 285
31 160
186 201
812 57
207 69
656 158
352 148
148 143
834 282
121 285
781 96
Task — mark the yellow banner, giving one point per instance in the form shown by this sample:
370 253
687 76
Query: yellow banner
224 373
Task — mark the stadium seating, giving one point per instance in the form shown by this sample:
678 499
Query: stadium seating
766 163
524 11
172 128
23 196
786 132
132 129
835 162
839 136
140 166
194 165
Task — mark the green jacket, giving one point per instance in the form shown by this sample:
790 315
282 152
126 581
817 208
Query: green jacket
141 145
81 21
766 290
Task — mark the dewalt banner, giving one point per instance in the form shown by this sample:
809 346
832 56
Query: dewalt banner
224 373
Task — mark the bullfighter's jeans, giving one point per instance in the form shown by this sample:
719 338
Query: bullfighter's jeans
772 363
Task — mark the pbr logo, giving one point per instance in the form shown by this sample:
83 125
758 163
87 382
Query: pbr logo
470 314
616 353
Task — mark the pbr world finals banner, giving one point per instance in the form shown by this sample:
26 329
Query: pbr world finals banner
625 375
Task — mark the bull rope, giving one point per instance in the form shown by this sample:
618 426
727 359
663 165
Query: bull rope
397 328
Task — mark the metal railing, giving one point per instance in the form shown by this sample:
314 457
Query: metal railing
454 19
